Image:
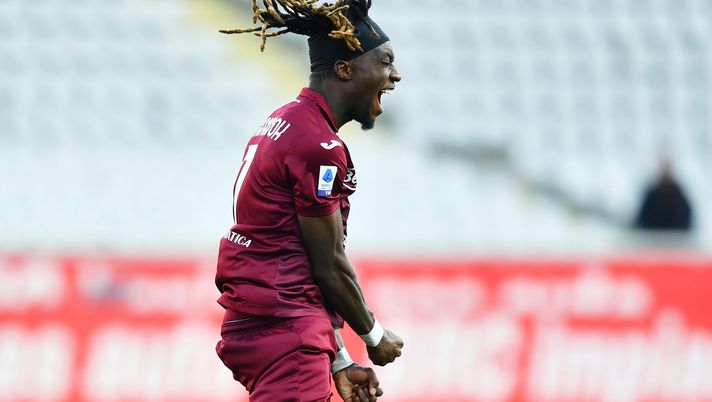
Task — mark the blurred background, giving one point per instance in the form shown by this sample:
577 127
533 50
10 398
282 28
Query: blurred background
534 213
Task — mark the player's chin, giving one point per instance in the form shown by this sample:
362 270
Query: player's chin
367 125
367 122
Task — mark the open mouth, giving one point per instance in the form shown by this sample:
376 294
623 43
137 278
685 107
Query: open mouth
384 91
380 96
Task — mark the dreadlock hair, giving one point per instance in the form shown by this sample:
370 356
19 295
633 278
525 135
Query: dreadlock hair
306 17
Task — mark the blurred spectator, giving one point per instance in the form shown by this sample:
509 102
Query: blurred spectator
665 205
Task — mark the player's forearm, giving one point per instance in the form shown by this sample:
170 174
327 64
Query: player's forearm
342 292
332 271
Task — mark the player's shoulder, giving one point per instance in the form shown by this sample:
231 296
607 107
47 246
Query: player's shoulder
303 116
308 128
316 146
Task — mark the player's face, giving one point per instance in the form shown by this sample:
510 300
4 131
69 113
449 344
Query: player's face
374 75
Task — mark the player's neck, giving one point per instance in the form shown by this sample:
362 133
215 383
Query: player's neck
336 101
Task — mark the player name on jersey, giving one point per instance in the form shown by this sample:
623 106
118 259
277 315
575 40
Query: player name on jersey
273 128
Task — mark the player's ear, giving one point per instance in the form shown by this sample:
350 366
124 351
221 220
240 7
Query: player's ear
343 70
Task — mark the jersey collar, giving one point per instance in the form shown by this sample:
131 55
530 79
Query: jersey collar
321 102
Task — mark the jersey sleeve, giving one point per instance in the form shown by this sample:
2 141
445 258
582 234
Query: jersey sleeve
316 173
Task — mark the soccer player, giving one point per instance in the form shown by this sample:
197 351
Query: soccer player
285 279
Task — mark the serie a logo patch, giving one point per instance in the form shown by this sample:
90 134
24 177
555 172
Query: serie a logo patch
327 177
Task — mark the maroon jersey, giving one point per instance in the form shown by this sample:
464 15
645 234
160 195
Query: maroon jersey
294 164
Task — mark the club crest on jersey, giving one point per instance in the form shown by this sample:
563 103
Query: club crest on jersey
327 176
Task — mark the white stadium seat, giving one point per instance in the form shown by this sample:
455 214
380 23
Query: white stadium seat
582 96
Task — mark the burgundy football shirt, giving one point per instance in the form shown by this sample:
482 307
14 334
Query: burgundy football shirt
294 164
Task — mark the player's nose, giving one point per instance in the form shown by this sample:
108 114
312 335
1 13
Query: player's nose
395 75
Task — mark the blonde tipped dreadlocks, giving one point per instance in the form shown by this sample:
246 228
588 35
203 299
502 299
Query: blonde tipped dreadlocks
306 17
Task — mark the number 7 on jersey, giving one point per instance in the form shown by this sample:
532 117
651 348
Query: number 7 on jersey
244 168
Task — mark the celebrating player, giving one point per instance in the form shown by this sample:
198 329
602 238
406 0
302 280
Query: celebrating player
285 279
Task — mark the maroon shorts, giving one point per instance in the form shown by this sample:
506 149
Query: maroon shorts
279 360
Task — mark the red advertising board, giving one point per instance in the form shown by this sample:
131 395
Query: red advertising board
133 329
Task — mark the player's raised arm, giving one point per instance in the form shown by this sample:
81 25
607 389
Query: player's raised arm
335 276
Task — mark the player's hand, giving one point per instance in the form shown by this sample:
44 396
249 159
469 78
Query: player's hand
387 350
357 384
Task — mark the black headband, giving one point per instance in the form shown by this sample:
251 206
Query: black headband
325 51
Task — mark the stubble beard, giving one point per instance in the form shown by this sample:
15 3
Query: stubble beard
368 125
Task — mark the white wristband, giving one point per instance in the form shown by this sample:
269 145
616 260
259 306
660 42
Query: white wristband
342 361
373 338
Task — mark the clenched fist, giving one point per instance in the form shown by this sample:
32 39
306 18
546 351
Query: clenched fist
387 350
357 384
